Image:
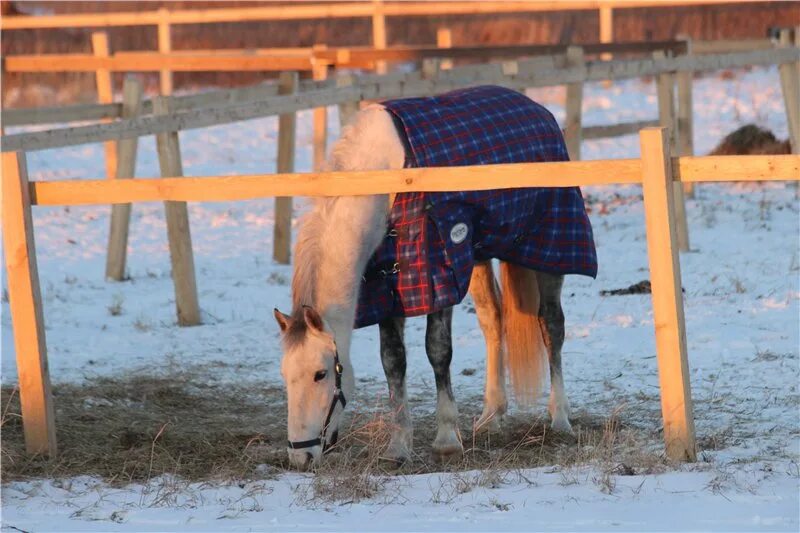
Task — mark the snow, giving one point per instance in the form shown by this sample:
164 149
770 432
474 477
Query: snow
742 305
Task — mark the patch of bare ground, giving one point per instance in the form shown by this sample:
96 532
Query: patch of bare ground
136 428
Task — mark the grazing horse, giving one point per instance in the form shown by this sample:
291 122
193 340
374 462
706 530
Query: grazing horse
361 260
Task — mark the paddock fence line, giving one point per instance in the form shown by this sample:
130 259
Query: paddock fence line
522 74
194 111
657 171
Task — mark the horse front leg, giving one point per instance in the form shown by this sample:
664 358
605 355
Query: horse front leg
439 347
393 357
551 321
486 295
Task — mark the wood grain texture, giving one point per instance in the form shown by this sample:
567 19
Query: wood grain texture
25 303
178 230
531 73
126 168
665 279
379 32
685 118
667 118
298 11
105 94
320 122
164 47
573 123
282 232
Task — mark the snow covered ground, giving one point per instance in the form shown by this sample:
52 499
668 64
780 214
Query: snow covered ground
742 307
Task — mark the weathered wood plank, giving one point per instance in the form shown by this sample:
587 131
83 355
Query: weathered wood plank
617 130
685 117
178 229
667 119
299 11
573 108
531 74
105 94
25 302
282 232
379 32
164 47
721 168
154 62
581 173
126 168
320 121
665 278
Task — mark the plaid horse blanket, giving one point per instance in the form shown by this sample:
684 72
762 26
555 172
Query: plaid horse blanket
425 262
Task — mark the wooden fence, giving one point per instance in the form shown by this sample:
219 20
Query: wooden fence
377 11
571 69
657 171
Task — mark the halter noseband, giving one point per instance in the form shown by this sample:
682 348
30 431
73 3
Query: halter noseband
338 397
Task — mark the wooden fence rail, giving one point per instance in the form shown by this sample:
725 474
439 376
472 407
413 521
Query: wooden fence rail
528 73
51 115
656 170
271 59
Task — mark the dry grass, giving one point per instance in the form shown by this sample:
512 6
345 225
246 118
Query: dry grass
141 427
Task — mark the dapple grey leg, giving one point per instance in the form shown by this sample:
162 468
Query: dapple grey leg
551 320
486 295
393 357
439 346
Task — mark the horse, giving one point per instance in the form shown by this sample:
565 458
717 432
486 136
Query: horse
522 319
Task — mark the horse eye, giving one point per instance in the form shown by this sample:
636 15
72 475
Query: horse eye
320 375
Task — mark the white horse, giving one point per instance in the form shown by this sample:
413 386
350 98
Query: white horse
334 243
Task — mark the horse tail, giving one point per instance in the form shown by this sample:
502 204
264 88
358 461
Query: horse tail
527 356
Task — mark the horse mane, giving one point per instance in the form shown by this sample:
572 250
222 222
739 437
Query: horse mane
365 143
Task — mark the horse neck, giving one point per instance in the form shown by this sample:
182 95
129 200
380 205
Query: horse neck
342 233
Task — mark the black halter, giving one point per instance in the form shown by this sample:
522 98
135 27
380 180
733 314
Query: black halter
338 397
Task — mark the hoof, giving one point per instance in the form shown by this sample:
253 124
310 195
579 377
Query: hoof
394 463
488 423
562 427
447 447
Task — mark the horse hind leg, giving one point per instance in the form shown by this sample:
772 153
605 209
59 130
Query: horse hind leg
439 347
551 321
393 357
486 295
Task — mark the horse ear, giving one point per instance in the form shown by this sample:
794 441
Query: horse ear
284 321
312 318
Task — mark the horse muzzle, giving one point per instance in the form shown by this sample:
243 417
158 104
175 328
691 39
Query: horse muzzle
304 459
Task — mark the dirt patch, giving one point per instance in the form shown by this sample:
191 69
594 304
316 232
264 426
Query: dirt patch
137 428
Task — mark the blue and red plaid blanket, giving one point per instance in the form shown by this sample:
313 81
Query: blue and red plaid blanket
425 262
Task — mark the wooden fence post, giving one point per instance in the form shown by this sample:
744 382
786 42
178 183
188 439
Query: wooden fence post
444 39
665 279
348 109
790 86
686 116
126 168
105 95
666 116
165 47
320 114
379 33
282 235
430 67
25 301
573 122
606 29
178 232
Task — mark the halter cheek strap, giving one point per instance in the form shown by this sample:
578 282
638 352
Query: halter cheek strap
338 397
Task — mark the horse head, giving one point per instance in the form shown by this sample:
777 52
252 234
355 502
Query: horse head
312 372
